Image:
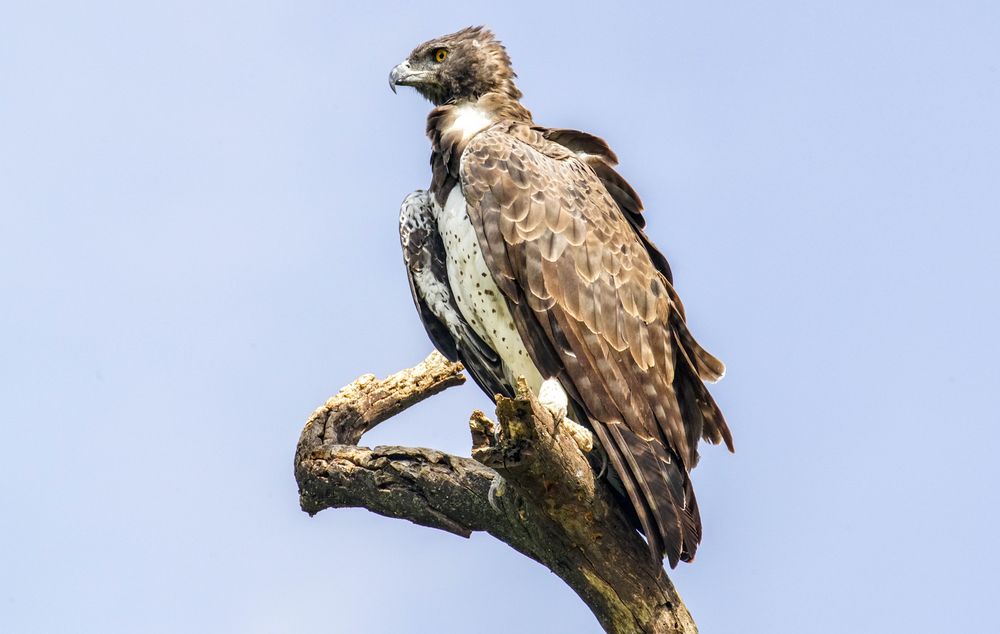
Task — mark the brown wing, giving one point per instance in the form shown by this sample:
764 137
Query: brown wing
594 310
594 151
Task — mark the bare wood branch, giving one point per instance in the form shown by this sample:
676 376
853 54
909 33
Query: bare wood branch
530 485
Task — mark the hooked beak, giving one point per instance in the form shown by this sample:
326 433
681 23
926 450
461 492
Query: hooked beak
404 75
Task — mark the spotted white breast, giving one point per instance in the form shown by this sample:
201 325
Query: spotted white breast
477 294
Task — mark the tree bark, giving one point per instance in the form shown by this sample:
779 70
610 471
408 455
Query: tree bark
531 483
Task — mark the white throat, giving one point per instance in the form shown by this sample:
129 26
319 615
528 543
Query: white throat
469 120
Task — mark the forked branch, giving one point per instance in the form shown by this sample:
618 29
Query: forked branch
529 484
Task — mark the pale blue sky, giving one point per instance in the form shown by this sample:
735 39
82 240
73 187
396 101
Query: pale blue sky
198 245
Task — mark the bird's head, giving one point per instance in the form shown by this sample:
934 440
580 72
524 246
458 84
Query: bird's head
459 67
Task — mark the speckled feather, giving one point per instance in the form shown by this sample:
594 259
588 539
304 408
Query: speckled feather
425 258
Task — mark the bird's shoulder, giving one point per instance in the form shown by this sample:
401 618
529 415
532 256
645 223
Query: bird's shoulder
502 139
567 180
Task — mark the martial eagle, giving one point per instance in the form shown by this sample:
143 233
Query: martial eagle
527 258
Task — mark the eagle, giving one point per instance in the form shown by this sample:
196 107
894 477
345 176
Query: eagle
527 257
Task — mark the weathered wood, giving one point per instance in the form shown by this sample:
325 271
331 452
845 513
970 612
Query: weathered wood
529 484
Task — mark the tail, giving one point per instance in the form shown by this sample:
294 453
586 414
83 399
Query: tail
656 490
650 473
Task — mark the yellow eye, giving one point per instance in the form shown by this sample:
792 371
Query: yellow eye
439 55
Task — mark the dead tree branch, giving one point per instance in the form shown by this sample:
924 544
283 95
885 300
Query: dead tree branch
529 484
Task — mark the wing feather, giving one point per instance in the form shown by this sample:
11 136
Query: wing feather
592 299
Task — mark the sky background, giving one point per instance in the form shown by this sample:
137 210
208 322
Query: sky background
198 245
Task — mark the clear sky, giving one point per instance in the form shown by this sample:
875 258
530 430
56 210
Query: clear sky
198 245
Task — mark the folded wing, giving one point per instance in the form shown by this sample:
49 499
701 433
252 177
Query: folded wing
592 300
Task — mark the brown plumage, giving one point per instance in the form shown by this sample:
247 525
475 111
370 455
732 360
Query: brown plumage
561 233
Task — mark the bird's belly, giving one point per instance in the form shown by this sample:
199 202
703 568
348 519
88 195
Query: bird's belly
476 293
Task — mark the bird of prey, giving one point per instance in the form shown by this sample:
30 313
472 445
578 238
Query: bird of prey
527 257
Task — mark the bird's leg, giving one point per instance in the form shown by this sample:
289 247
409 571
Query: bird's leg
553 397
584 437
486 434
604 465
497 489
